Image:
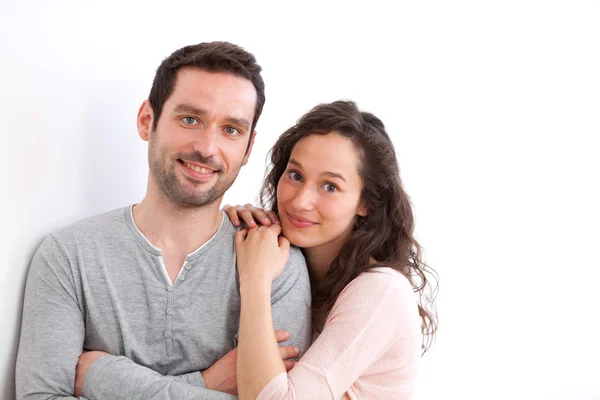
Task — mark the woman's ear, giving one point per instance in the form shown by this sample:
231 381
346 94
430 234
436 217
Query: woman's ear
362 210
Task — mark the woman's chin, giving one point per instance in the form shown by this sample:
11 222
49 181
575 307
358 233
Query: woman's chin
298 239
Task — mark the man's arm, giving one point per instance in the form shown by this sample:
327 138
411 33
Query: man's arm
117 377
291 300
52 337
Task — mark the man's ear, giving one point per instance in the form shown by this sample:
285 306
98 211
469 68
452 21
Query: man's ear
145 119
249 150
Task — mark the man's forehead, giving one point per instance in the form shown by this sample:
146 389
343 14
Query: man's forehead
215 92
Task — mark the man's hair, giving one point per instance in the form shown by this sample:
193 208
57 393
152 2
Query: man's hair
212 57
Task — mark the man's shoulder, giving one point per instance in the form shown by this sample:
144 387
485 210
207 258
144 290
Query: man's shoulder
107 224
296 257
295 269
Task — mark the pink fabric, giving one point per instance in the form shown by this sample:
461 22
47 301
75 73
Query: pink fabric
370 346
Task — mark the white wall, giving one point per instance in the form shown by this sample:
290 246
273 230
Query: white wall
493 108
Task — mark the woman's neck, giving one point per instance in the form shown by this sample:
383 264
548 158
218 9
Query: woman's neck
320 258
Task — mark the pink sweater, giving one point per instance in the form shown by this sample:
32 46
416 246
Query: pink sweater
370 346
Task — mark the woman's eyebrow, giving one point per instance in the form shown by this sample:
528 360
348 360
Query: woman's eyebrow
328 173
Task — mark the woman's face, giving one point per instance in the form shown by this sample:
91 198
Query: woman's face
318 195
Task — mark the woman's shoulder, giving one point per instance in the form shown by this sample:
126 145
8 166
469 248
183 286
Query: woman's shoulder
376 295
379 280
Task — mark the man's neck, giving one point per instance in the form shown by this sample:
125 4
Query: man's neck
168 226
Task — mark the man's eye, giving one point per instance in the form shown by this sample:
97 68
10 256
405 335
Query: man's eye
189 120
232 131
330 187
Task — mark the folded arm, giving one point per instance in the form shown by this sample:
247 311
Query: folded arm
52 338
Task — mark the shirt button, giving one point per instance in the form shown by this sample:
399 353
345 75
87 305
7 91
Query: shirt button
187 266
169 288
169 311
181 277
167 334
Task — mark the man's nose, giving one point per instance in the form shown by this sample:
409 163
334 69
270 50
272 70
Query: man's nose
206 141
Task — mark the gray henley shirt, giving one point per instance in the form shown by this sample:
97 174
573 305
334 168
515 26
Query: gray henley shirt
101 285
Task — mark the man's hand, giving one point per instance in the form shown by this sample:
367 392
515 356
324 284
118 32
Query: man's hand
86 359
221 376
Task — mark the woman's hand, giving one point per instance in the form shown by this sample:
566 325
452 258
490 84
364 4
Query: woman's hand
221 376
250 214
261 253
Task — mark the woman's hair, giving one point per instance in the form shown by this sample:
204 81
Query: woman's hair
385 234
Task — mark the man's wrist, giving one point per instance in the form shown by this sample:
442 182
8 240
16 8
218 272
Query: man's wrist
207 378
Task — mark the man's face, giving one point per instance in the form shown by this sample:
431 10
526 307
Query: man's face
200 142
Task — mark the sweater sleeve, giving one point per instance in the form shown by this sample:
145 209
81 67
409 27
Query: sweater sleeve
372 314
117 377
52 330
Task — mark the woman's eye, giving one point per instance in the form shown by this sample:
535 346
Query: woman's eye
189 120
330 187
232 131
294 176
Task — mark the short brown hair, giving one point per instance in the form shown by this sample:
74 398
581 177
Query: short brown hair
212 57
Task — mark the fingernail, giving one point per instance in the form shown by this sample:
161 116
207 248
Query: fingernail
297 350
252 223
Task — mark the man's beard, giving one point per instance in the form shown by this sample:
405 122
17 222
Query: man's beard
163 169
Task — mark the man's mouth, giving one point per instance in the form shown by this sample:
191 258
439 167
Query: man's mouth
197 168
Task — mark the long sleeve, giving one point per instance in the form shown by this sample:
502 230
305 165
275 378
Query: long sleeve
291 300
52 337
117 377
52 331
370 345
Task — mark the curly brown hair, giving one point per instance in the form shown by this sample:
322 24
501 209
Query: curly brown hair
385 234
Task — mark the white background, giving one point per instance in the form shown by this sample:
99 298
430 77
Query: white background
494 109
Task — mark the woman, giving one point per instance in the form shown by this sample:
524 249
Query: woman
335 184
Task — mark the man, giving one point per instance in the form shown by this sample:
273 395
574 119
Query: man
152 288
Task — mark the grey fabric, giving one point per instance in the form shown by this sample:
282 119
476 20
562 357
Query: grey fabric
100 285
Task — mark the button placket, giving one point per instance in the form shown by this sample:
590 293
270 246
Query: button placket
169 321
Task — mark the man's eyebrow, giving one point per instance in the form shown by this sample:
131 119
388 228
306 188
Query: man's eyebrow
188 108
328 173
241 122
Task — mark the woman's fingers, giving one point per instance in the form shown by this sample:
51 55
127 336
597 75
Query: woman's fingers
273 217
232 214
246 216
250 215
259 214
240 236
281 335
289 352
276 229
289 365
284 244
